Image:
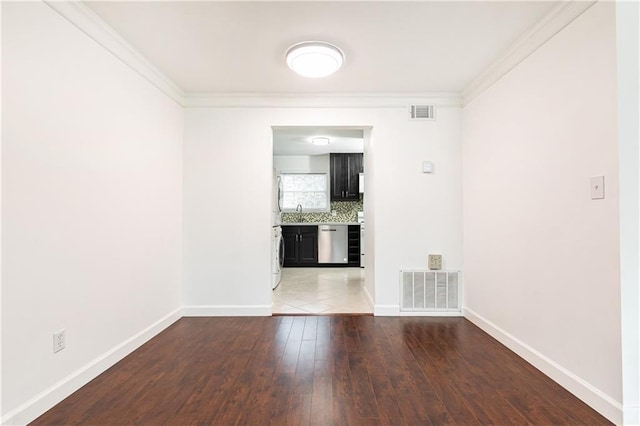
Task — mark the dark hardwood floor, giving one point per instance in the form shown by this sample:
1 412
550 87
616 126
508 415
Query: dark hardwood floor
349 370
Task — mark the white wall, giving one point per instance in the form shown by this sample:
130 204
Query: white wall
628 52
541 258
1 275
91 208
370 217
227 187
302 163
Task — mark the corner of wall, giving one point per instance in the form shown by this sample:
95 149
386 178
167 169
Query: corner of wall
386 310
595 398
40 403
558 18
87 21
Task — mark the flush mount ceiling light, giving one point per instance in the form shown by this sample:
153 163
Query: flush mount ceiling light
320 141
314 59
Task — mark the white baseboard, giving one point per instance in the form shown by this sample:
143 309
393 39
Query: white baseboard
394 311
431 314
592 396
386 310
631 415
39 404
45 400
227 311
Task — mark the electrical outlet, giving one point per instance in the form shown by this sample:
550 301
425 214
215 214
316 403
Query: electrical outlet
58 341
334 213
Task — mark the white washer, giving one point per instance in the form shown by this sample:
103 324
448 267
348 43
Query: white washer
277 256
276 203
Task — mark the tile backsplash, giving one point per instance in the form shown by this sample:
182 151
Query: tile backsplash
347 211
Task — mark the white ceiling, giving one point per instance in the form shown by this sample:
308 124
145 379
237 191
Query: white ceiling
297 140
391 47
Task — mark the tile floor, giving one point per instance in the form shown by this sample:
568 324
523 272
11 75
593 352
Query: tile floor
321 291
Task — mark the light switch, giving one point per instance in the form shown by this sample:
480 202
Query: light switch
427 167
597 187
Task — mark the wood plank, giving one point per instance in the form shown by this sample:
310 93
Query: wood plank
299 409
388 409
322 401
362 391
310 328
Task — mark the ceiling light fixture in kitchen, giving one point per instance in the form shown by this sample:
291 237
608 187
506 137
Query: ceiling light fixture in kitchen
320 141
314 59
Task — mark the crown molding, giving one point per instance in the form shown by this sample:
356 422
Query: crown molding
87 21
552 23
322 100
90 23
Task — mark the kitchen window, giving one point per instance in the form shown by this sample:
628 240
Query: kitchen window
309 189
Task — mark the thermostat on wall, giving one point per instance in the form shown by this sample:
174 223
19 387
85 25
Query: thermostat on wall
427 167
435 262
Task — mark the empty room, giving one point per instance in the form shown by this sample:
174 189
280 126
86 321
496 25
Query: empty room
320 212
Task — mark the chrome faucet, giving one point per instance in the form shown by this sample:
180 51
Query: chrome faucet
299 211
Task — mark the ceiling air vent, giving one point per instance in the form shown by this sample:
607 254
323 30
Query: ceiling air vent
422 112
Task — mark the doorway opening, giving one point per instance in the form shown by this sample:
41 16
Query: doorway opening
318 228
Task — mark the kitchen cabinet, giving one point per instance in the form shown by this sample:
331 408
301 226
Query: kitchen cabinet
300 245
345 171
354 245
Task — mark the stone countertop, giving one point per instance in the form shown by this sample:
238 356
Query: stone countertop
318 223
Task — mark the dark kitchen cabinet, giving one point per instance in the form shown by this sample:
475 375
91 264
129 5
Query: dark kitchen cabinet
354 245
300 245
345 170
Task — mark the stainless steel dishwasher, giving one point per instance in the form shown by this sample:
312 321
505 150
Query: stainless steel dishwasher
333 243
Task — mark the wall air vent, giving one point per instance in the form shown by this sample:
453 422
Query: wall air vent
424 290
422 112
